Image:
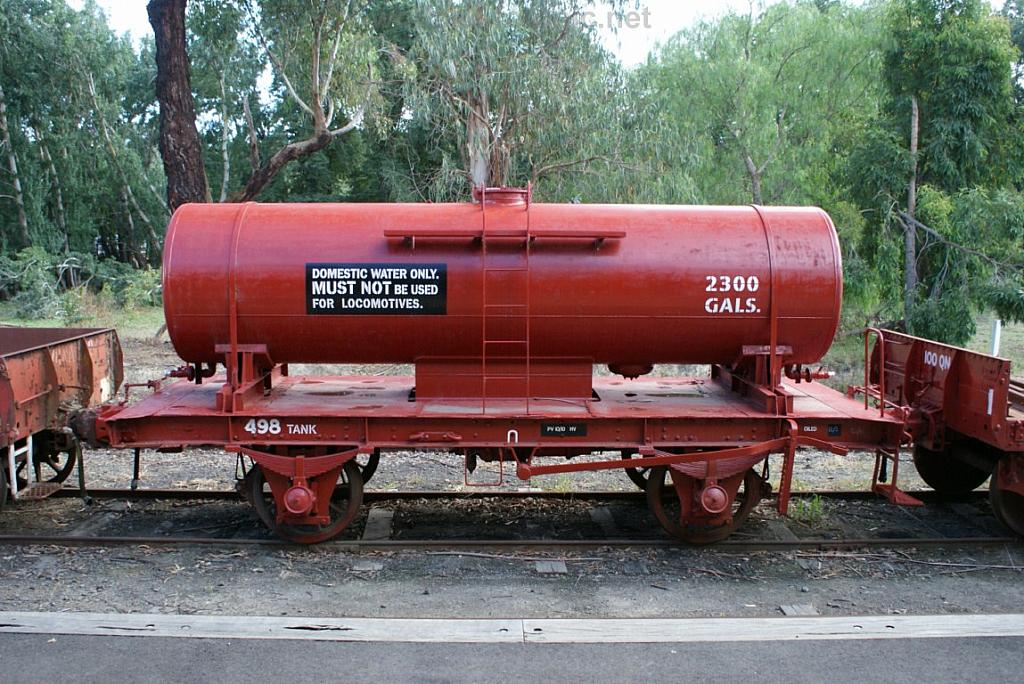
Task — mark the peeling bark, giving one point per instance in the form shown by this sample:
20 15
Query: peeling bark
58 195
909 234
224 140
478 142
755 178
254 141
152 238
180 147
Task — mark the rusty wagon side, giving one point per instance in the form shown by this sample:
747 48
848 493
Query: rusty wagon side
965 413
45 374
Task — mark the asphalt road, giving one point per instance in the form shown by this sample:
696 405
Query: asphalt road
54 658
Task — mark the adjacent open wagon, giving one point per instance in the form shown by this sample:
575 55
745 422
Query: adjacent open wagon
45 374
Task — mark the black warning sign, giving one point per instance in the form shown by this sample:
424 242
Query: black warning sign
563 429
376 289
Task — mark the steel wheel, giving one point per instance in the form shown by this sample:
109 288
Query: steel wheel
348 496
1007 506
664 503
638 475
370 467
50 467
945 473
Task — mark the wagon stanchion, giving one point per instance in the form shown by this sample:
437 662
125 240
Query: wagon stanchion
3 486
82 491
137 457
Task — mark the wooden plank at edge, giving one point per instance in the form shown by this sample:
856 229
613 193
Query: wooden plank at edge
440 630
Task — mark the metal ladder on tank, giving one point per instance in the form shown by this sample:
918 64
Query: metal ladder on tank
498 345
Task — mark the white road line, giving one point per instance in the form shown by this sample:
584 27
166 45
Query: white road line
552 631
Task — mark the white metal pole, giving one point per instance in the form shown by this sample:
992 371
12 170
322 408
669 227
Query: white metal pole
997 333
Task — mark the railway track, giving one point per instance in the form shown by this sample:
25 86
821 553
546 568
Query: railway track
376 496
741 542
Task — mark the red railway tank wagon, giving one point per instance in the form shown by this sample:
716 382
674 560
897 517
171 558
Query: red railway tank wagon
45 374
504 306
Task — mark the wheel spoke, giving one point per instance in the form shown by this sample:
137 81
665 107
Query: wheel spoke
674 506
639 475
60 465
349 490
370 467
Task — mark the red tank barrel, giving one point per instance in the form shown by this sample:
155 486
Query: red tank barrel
625 285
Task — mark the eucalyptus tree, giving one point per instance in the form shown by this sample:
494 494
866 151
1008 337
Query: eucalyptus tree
324 56
225 65
79 157
930 169
760 98
180 147
512 91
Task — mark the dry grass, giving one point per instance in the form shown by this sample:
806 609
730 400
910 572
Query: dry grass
131 324
1011 345
846 357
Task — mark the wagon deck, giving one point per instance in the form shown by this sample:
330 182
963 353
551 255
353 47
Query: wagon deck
380 411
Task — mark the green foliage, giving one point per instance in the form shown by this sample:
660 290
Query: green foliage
129 288
791 102
757 106
956 59
71 306
31 280
74 184
512 92
859 283
42 284
810 511
1005 296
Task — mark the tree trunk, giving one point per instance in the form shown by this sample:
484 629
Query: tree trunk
755 178
224 140
58 195
153 240
180 148
501 163
478 142
909 233
254 143
128 237
261 177
24 240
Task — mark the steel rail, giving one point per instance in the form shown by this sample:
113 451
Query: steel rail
731 545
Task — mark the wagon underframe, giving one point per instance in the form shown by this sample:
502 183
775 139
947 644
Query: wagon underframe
705 433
